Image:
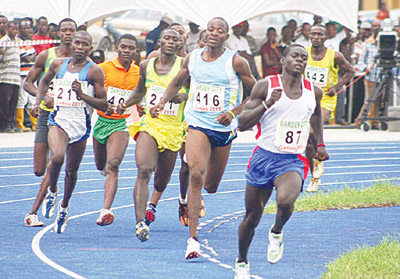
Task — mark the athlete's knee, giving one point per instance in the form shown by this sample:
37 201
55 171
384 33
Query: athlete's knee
113 164
197 176
211 188
251 219
285 205
71 174
144 172
39 171
160 187
57 159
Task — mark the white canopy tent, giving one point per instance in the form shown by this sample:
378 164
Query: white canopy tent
199 11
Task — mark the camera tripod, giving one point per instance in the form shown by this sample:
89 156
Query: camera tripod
380 93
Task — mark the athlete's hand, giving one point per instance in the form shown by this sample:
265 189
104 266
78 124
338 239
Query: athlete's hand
332 91
111 109
76 86
224 118
121 108
141 110
48 101
321 154
275 96
155 111
179 98
35 112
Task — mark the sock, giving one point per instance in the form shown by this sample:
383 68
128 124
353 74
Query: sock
184 201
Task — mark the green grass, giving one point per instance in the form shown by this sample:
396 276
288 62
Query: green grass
379 262
380 195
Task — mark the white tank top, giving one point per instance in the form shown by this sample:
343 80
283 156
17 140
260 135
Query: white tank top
285 126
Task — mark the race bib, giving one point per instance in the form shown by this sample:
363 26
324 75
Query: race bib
50 91
65 97
291 136
155 93
116 96
318 76
208 98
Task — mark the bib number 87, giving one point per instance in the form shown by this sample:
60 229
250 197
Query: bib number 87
290 137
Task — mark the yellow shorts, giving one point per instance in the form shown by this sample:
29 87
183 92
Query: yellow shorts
168 137
329 103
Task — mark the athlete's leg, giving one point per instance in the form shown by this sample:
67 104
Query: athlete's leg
100 154
255 200
216 167
75 153
183 174
116 148
44 185
146 159
58 143
198 151
41 147
165 166
288 188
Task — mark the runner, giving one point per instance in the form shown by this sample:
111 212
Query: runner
282 107
213 104
322 69
110 133
67 28
69 123
159 139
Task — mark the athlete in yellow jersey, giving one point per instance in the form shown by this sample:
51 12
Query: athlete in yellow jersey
66 29
160 138
322 69
110 133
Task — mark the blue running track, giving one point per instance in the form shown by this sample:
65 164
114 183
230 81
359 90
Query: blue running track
85 250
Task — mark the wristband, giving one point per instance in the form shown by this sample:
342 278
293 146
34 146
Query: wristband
264 104
321 144
231 113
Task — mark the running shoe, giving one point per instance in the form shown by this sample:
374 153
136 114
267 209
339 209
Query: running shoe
62 219
275 246
314 184
49 203
150 214
202 208
193 249
32 220
142 231
106 218
183 214
318 169
242 270
103 172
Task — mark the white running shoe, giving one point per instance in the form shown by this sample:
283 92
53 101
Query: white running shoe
314 184
62 219
275 246
106 218
318 168
242 270
193 249
142 231
49 203
32 220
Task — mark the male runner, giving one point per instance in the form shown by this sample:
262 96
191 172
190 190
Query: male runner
211 110
69 123
66 29
322 69
159 139
111 131
282 107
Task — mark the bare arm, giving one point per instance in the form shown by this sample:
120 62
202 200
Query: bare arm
344 67
317 126
34 73
96 78
140 90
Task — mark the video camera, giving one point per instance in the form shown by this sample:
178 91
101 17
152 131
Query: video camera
387 45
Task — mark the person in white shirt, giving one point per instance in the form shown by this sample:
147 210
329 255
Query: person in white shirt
304 38
192 37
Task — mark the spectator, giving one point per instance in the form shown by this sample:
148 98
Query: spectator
331 42
304 37
3 26
286 39
52 32
153 35
254 48
10 78
317 19
271 54
383 12
82 27
41 34
292 24
28 57
375 25
192 37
